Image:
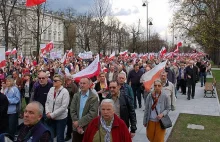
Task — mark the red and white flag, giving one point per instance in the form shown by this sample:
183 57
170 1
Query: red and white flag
163 51
30 3
8 52
149 77
92 70
20 58
47 48
151 56
177 47
2 58
123 53
14 51
112 56
134 55
70 53
63 59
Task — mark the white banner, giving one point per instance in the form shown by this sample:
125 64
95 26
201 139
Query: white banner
85 55
55 54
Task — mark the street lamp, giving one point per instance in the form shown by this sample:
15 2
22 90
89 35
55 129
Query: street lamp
145 3
150 24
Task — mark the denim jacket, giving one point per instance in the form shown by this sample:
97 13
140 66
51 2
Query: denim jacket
14 96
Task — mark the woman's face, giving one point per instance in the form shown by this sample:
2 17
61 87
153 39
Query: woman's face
9 83
3 84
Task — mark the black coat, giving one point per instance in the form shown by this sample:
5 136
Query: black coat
193 72
127 112
98 88
3 113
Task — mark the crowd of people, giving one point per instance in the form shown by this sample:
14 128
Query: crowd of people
97 109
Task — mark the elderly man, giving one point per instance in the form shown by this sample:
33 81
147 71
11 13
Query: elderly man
168 88
72 89
83 109
112 74
124 87
32 129
108 127
40 93
191 77
124 107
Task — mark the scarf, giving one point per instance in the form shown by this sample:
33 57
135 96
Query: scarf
106 128
155 99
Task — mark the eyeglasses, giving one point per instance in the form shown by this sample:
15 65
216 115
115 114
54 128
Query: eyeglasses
41 78
157 85
113 87
55 80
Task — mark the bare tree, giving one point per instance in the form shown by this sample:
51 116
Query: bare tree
101 10
6 9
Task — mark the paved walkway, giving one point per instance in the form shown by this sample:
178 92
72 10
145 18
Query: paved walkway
199 105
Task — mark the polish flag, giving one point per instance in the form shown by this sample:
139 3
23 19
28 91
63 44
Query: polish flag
134 55
105 70
30 3
177 47
163 51
151 56
8 52
20 57
112 56
92 70
2 58
70 53
14 51
123 53
149 77
63 60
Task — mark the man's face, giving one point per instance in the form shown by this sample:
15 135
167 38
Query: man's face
107 111
112 68
31 115
157 86
121 79
114 88
163 77
42 77
136 68
14 74
84 84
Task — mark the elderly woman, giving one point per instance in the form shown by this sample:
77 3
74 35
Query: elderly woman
108 127
13 95
56 107
157 105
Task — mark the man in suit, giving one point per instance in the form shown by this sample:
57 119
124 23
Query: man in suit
191 74
112 74
83 109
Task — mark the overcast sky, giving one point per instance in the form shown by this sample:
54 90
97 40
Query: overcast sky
128 12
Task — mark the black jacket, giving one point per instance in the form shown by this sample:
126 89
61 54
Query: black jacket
3 113
127 112
193 73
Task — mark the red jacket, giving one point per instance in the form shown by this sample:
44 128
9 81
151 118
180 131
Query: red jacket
119 131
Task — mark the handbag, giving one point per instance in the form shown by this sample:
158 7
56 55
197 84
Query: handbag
165 121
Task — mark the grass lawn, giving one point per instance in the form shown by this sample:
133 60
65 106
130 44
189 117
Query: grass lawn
180 132
216 75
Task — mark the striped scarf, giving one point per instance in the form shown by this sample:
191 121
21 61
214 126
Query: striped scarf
107 129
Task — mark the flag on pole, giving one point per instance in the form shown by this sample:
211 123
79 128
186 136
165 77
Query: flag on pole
177 47
123 53
112 56
163 51
149 77
92 70
70 53
2 58
30 3
8 52
14 51
63 59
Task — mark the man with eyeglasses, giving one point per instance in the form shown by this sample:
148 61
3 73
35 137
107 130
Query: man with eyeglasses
124 107
41 91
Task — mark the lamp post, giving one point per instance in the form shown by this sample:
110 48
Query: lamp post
150 24
145 3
